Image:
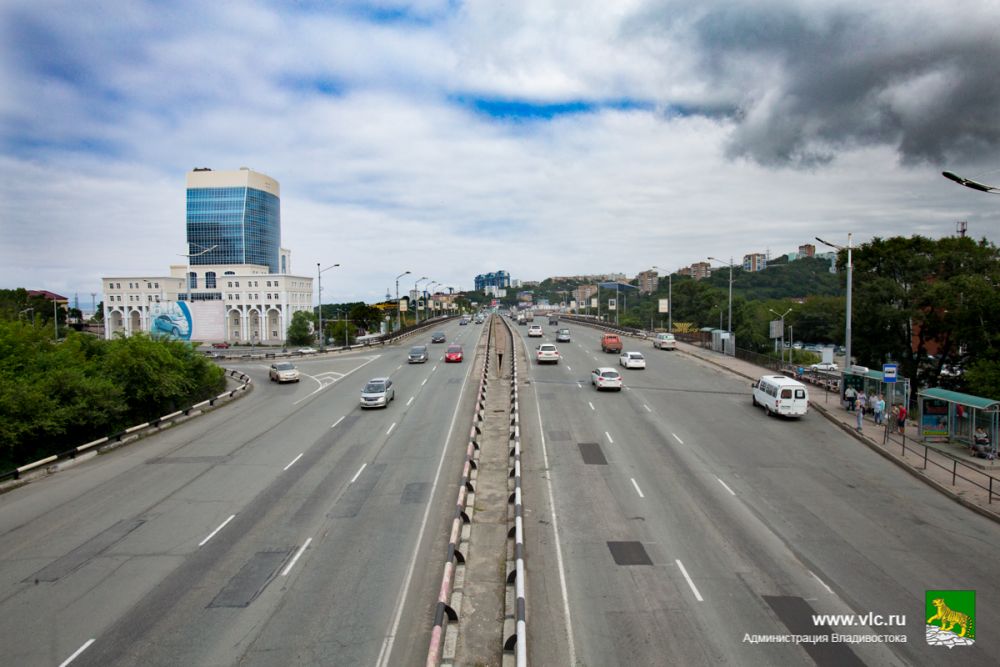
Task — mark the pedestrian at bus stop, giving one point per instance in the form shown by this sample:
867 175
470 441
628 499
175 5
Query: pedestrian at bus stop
851 397
901 419
879 409
862 402
860 418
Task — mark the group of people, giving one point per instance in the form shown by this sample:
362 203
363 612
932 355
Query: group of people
874 404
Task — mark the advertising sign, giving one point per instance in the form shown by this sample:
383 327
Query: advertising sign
775 328
404 305
420 304
593 302
612 304
934 418
664 305
170 319
208 319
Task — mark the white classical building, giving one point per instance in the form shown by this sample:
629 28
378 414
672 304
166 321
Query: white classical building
232 217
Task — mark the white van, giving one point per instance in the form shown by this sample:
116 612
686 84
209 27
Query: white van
781 395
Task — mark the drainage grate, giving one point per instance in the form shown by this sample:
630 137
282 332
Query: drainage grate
629 553
592 454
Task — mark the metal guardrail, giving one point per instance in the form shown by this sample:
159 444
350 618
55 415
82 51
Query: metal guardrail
154 424
516 641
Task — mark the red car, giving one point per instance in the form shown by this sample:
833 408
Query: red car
221 346
454 353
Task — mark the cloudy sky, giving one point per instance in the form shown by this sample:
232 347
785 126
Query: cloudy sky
454 138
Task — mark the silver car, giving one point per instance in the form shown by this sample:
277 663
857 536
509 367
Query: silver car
418 355
284 371
562 336
377 393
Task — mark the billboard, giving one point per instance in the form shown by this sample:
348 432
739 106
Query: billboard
664 305
776 329
180 320
612 304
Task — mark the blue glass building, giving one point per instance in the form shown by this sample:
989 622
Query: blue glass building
238 212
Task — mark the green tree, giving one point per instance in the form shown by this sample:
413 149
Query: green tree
300 331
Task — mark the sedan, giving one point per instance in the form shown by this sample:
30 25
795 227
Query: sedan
606 378
307 350
284 371
535 331
453 354
825 366
437 337
221 346
377 393
632 360
547 353
418 355
562 336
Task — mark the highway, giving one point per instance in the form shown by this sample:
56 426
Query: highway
282 529
669 521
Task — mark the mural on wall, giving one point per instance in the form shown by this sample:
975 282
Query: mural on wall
170 319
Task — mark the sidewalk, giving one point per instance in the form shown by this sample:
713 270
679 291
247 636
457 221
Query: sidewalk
934 464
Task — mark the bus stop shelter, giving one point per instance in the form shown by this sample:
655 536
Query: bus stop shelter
873 382
954 417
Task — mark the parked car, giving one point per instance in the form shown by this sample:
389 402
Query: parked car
535 331
453 353
632 360
437 337
824 366
418 355
547 353
606 378
562 336
378 393
284 371
665 341
221 346
307 350
611 343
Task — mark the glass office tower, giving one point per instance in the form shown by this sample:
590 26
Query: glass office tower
239 213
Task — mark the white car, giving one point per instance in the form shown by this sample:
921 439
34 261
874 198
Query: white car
535 331
606 378
547 353
632 360
378 393
665 341
825 366
284 371
307 350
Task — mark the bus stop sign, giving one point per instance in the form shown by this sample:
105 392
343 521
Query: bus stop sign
889 373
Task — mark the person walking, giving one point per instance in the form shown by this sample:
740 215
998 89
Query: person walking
862 403
860 418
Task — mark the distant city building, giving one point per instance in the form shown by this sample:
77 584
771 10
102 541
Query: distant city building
698 270
583 293
648 282
525 297
238 286
498 279
807 250
756 261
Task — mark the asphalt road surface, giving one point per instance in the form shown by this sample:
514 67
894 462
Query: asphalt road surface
669 521
282 529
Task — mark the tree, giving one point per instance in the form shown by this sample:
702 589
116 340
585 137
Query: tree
365 317
300 331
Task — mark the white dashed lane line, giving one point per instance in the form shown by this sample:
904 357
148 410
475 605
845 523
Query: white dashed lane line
726 486
293 461
647 407
694 589
212 534
358 473
76 653
637 489
390 428
295 559
677 439
609 437
410 401
591 405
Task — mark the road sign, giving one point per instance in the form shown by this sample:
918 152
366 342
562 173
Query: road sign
664 305
889 373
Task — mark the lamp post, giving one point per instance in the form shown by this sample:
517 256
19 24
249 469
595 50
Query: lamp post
416 313
319 281
430 295
782 316
730 291
975 185
398 318
189 255
32 309
850 280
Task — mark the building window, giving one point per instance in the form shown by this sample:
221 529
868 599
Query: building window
156 285
210 280
229 273
192 280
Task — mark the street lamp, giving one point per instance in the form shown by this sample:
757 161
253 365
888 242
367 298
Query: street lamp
416 313
189 255
782 316
430 295
398 324
319 281
975 185
850 279
730 291
32 309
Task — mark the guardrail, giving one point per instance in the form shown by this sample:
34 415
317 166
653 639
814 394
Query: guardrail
516 640
450 600
118 438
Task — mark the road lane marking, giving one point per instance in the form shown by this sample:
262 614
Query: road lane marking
609 437
579 384
591 405
569 368
726 486
212 534
424 382
357 474
337 422
694 589
293 461
637 489
390 428
410 401
647 407
435 367
76 653
399 366
677 439
829 590
288 568
342 376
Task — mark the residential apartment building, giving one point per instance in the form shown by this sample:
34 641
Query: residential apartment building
698 270
648 281
583 293
807 250
756 261
497 280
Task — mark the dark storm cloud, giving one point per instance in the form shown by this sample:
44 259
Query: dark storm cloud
811 78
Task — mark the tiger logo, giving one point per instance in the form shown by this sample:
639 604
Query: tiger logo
950 618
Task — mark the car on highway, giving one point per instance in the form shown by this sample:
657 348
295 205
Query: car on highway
824 366
606 378
611 343
547 353
665 341
437 337
283 371
553 320
632 360
418 355
307 350
453 354
480 319
377 393
535 331
221 346
463 322
562 336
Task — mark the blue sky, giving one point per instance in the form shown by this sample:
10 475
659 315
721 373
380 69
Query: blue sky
455 138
